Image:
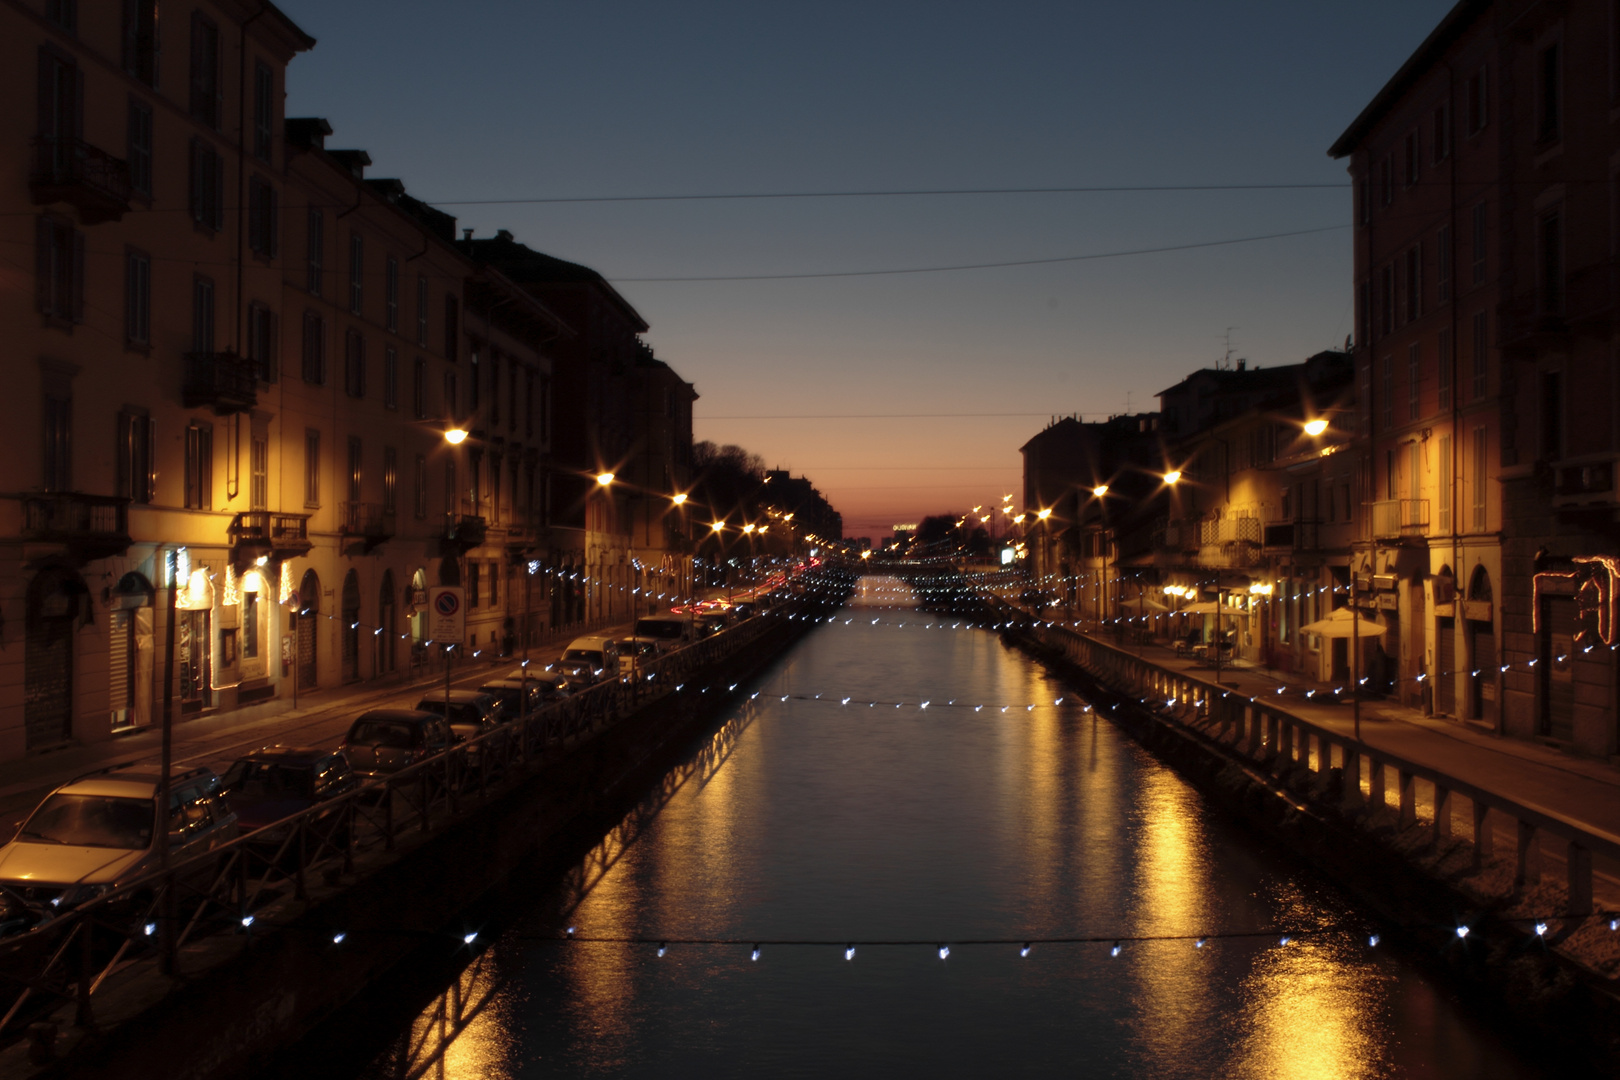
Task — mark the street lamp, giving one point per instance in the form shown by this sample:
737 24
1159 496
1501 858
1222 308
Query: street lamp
1173 476
455 436
1316 427
604 478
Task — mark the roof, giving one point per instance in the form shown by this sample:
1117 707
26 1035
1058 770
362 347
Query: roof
526 266
1457 20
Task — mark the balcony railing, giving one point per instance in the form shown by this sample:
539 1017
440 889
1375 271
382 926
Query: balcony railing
222 381
93 526
464 530
73 171
1178 534
262 532
368 521
1230 530
1399 517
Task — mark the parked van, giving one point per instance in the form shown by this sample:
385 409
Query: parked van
670 631
590 659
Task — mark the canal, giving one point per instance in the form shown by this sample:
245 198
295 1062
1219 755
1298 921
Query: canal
811 823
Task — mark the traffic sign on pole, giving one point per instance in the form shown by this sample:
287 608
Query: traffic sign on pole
447 614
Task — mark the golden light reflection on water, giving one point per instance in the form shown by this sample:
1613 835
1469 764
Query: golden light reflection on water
1309 1014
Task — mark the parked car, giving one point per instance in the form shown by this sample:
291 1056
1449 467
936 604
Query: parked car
744 609
279 781
384 741
712 622
464 706
670 631
589 660
525 695
95 833
635 653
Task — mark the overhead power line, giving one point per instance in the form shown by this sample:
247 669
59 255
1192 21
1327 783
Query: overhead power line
989 265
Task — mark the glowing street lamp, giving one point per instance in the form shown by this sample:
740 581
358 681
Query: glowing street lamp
455 436
1100 490
1043 514
604 479
679 498
1316 427
1172 476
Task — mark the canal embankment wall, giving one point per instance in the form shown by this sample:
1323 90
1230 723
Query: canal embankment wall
1383 830
247 994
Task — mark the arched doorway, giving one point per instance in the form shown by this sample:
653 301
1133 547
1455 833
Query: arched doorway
418 606
131 653
309 612
257 601
54 599
1483 675
194 640
349 617
385 633
1445 643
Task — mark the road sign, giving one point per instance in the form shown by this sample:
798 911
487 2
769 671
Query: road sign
447 615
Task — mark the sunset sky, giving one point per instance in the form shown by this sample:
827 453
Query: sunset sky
898 394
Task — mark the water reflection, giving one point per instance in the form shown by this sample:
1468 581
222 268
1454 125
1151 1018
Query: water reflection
810 820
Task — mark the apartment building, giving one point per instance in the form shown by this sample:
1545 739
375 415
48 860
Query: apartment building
1486 215
140 193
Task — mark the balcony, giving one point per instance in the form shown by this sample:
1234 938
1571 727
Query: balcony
1230 530
1177 535
222 381
88 178
1586 304
365 521
92 526
256 533
1393 519
464 531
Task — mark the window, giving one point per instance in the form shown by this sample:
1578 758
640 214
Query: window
1549 93
202 314
390 378
419 487
390 479
511 397
61 110
314 351
1363 201
391 294
494 388
473 567
1386 181
312 467
315 251
1440 133
137 298
261 341
356 472
545 408
528 404
473 381
449 395
1389 392
452 329
354 364
1442 264
1414 381
59 277
421 310
140 147
137 451
1552 415
1363 314
1443 371
1391 474
58 440
494 584
140 41
1476 98
1550 259
199 466
1386 299
1443 486
207 92
1479 346
207 202
1414 282
264 217
419 389
1479 244
1479 478
264 110
259 473
1409 159
357 259
451 504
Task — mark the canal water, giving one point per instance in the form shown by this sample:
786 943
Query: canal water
812 823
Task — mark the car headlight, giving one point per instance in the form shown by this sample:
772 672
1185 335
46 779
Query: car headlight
74 895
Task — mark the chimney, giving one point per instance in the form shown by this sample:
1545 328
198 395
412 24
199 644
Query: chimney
1242 364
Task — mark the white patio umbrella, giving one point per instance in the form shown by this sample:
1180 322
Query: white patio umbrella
1343 623
1210 607
1140 605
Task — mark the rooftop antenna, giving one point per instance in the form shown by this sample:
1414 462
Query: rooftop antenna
1225 362
1127 403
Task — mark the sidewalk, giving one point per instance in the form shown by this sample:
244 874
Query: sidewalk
1583 790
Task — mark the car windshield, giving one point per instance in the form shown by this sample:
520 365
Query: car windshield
659 628
582 656
382 733
92 821
265 779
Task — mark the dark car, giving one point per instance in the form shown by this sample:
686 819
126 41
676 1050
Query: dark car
463 706
385 741
279 781
745 609
520 696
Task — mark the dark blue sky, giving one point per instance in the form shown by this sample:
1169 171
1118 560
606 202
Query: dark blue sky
521 100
